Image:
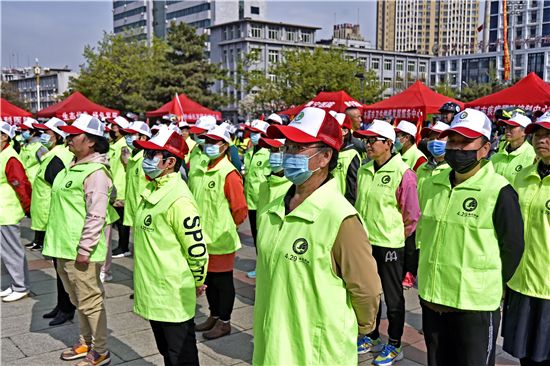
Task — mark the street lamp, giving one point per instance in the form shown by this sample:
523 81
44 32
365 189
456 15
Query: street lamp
37 71
361 76
514 7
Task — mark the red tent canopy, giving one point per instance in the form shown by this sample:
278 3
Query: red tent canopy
12 114
416 99
192 111
75 105
530 93
329 101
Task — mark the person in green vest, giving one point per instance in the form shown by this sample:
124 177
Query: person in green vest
119 155
55 161
191 144
518 154
436 146
32 150
80 195
218 189
471 241
387 200
316 284
405 143
197 157
171 254
256 166
15 195
241 141
349 161
526 317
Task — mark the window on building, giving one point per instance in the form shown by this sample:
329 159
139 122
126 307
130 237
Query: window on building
534 4
454 65
453 79
433 66
442 66
239 35
519 33
255 54
256 30
387 64
519 61
225 30
273 56
387 82
533 31
422 67
362 62
238 54
130 13
273 32
231 32
534 16
306 36
399 65
375 64
410 66
239 95
520 19
291 34
224 57
188 11
231 56
255 10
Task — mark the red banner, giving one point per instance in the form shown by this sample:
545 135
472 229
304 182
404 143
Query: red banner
506 52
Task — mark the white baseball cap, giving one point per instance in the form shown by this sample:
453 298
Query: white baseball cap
437 127
120 121
220 132
543 121
470 123
173 127
139 127
184 124
203 124
517 119
275 118
7 129
377 128
85 124
28 124
259 126
165 139
407 127
53 124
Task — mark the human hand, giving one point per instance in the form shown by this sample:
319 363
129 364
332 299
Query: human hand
201 289
82 260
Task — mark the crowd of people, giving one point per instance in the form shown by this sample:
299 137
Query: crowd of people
340 213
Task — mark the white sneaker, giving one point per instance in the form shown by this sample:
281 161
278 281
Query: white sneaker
6 292
14 296
105 277
122 255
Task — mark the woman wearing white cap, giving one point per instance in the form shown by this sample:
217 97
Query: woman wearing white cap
197 157
518 153
80 195
32 150
316 283
218 189
526 318
276 183
405 143
471 241
15 195
387 199
436 146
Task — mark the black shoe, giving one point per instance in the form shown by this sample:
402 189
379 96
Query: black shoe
30 245
37 248
62 317
52 313
131 296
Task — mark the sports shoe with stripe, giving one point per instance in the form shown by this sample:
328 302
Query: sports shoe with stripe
79 350
95 359
389 355
367 344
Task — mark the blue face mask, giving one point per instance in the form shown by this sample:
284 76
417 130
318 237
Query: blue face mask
130 141
398 144
255 138
198 140
45 140
240 135
437 148
150 167
297 167
212 151
26 135
276 162
106 135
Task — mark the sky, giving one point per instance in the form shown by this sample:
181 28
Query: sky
56 32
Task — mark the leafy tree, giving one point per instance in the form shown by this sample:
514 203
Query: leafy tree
444 87
476 90
11 95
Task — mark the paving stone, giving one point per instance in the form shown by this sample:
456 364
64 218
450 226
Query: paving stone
26 323
44 287
51 339
124 323
413 318
29 305
243 317
147 361
119 304
10 352
231 349
53 358
133 345
122 288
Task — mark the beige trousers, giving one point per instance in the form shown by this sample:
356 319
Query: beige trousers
87 294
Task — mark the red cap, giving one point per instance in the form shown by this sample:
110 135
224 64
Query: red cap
529 129
167 140
464 131
269 143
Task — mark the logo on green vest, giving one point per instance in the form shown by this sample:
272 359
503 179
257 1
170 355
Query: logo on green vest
28 157
69 184
386 179
148 220
212 184
259 163
548 205
470 204
137 171
339 166
298 117
519 168
300 246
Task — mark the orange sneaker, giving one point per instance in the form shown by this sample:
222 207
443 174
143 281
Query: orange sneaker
77 351
95 359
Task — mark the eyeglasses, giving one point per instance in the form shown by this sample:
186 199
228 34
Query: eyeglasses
372 140
294 148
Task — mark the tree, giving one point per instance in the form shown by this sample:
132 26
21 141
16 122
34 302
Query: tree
476 90
444 87
12 95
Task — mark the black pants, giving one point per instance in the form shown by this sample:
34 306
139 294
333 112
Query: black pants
530 362
411 256
176 342
253 229
39 236
123 231
460 338
63 301
390 270
220 293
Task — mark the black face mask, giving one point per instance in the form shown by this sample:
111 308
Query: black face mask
462 161
112 134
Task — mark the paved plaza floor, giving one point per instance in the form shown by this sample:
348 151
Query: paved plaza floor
28 340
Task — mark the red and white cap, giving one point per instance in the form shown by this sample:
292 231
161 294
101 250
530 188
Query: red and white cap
173 127
377 128
120 121
7 129
342 118
310 125
437 127
275 118
167 140
155 128
269 143
407 127
183 124
543 121
470 123
139 127
220 132
517 119
203 124
28 124
53 124
259 126
85 124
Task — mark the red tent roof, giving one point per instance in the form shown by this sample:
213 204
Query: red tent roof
192 111
329 101
531 93
11 113
416 99
73 106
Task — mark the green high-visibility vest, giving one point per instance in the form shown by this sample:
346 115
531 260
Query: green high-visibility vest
532 277
274 187
207 187
42 190
426 170
503 143
198 157
256 170
299 299
412 155
376 199
191 144
68 206
164 284
459 263
12 212
136 181
341 171
510 164
118 169
28 158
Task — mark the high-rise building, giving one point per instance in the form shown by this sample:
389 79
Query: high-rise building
347 31
434 27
